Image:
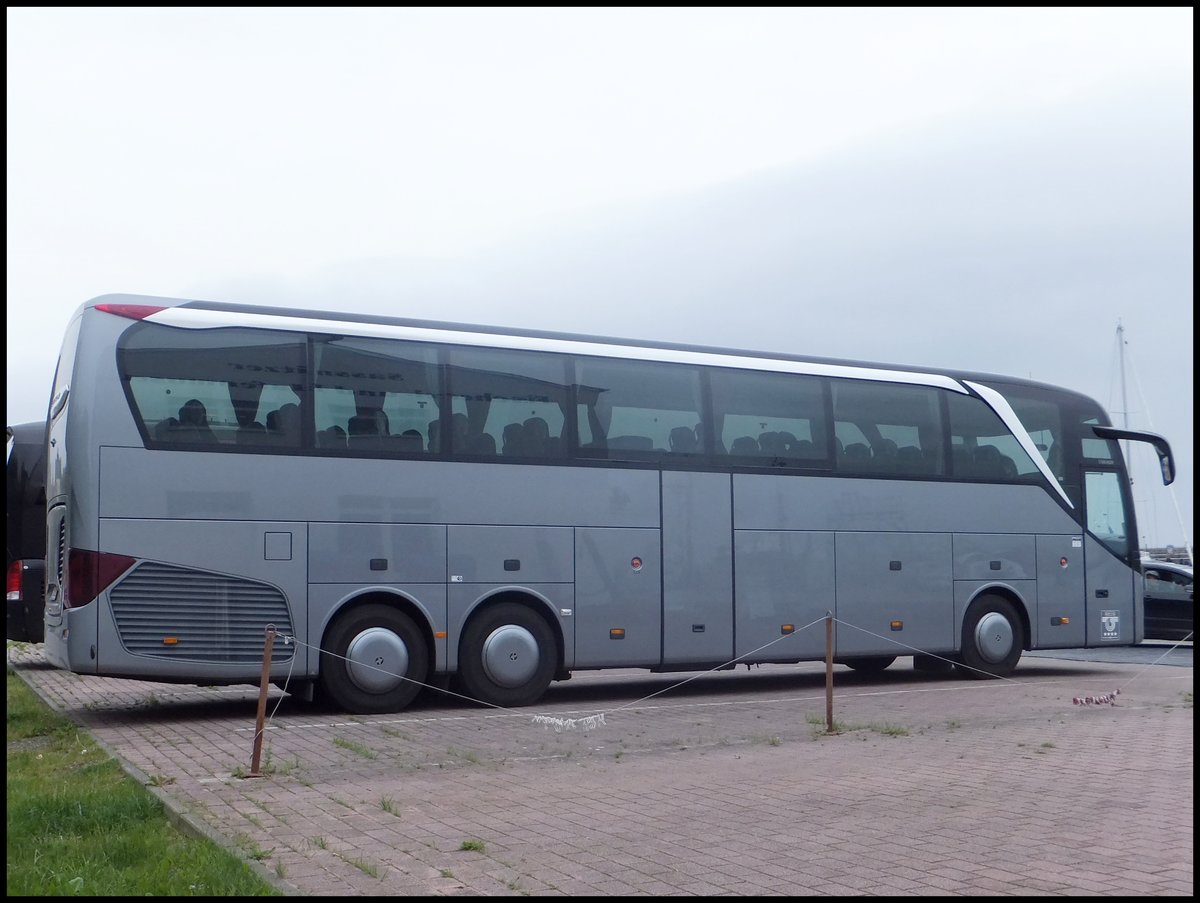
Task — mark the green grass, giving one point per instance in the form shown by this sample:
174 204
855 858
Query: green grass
80 826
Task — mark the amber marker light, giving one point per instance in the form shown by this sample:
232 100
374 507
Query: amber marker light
617 633
897 625
170 641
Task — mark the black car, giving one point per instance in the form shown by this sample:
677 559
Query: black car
25 531
1168 588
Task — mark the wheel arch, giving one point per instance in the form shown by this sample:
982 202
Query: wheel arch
528 598
1004 591
396 599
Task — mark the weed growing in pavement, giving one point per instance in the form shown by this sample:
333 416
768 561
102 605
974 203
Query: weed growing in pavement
367 868
886 728
476 846
356 747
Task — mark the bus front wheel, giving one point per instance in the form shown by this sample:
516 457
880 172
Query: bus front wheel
374 660
992 638
508 656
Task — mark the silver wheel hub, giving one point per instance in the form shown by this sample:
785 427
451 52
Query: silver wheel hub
994 637
510 656
377 660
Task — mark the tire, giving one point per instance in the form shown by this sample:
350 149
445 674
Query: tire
374 660
508 656
868 664
992 639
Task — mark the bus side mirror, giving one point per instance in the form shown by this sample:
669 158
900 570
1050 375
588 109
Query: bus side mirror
1163 448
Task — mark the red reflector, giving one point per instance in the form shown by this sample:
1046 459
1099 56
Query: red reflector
91 573
13 587
132 311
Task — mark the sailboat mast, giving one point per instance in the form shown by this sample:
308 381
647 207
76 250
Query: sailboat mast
1124 394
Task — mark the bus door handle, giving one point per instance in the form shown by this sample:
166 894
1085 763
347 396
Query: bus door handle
1101 594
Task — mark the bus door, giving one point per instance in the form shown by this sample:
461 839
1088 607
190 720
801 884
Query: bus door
1109 582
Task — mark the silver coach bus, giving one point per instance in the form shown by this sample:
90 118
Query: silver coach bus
414 501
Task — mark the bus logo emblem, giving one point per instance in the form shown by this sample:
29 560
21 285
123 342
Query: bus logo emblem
1110 625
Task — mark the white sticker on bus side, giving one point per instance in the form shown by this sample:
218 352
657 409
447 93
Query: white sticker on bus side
1110 625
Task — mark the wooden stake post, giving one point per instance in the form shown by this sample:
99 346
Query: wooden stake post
259 725
829 673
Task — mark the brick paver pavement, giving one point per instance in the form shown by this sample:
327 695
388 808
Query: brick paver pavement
726 785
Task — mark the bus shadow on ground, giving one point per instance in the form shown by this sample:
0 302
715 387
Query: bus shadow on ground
592 690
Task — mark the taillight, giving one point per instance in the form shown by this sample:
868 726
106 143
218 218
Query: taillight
14 581
91 573
132 311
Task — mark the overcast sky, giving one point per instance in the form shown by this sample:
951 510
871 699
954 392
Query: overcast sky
988 189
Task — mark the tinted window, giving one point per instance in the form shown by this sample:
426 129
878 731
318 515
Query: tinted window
215 388
1041 415
981 446
1093 448
889 429
771 419
634 410
376 396
508 403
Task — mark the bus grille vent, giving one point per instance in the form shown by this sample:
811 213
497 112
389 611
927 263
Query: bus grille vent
179 613
62 548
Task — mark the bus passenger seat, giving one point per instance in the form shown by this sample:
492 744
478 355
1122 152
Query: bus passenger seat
770 443
857 453
744 445
410 442
537 436
988 463
683 441
910 459
513 439
334 437
166 430
193 423
363 432
289 423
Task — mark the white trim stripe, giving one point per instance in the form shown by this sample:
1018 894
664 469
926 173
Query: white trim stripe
198 318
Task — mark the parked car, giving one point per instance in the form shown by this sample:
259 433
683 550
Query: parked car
25 531
1168 590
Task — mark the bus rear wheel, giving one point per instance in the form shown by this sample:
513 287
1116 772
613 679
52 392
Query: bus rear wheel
508 656
992 638
374 660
